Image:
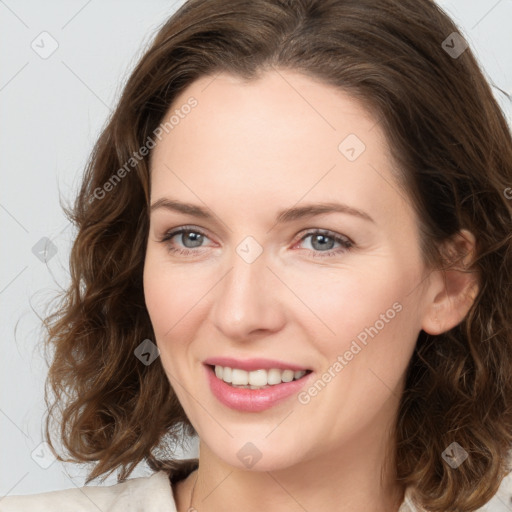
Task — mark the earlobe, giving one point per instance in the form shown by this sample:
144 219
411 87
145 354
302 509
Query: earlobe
454 288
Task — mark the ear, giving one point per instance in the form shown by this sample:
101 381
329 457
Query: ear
452 289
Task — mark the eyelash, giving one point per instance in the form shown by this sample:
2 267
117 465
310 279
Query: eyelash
346 243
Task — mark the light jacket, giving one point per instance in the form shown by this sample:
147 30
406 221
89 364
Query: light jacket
144 494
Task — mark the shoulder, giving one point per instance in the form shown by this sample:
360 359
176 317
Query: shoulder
152 493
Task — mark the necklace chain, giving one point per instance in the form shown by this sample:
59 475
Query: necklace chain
190 508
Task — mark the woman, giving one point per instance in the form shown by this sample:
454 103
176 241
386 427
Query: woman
293 241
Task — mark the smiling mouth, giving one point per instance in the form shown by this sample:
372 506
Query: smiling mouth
256 379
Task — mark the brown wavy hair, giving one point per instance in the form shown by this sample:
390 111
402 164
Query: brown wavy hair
454 149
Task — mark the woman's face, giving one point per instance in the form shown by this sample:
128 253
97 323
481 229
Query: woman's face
301 249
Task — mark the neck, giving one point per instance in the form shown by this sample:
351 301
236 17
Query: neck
342 478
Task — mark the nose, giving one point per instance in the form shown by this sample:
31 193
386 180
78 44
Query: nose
249 300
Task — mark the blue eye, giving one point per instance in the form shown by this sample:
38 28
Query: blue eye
325 240
196 239
322 242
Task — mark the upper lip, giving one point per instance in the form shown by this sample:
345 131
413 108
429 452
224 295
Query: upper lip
253 364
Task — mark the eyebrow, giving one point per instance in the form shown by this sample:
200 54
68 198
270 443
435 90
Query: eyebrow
284 216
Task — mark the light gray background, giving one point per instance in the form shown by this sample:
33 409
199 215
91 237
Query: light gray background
52 110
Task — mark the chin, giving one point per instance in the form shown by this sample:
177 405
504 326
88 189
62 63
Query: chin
250 453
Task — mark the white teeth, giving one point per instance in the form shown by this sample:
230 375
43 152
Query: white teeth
239 377
226 374
287 375
274 376
256 379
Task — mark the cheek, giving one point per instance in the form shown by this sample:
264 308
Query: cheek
340 305
174 296
170 297
161 300
335 305
376 325
370 339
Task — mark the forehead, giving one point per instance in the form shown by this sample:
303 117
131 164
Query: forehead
280 137
278 111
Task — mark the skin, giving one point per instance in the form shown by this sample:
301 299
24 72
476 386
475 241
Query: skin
248 150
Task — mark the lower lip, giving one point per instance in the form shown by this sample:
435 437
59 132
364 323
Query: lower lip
253 400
